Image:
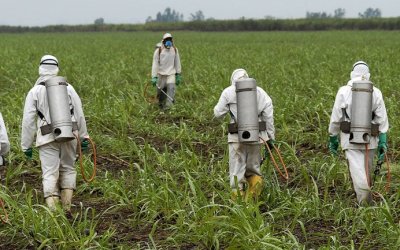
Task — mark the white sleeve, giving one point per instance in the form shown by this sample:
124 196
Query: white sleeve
155 66
177 63
4 142
78 113
381 117
222 106
336 116
267 114
28 122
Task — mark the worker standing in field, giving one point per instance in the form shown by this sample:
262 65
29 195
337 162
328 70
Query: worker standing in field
244 154
50 97
4 142
166 71
359 115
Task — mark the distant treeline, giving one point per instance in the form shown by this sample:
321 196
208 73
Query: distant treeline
226 25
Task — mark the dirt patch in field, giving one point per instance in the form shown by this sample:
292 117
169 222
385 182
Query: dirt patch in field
116 218
162 145
111 163
309 148
171 119
319 231
11 243
32 179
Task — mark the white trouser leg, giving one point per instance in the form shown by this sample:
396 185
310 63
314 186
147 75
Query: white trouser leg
356 160
50 161
237 164
253 160
58 171
170 90
67 168
162 85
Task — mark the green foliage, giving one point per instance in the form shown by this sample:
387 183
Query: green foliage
338 13
267 24
99 21
169 15
371 13
317 15
163 178
198 16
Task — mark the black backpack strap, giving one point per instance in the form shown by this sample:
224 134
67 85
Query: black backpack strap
345 113
40 114
231 114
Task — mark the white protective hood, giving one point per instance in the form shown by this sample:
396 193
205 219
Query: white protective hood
360 70
48 68
238 74
46 72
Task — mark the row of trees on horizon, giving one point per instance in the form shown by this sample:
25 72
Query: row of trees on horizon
171 15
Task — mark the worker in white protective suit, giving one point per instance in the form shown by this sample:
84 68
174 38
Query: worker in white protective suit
4 142
166 71
356 153
57 158
245 158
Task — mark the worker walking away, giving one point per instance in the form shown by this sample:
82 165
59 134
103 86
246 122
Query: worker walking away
166 71
4 145
359 115
53 111
251 113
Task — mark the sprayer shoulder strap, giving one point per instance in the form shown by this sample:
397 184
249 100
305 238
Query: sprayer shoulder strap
347 116
40 114
159 53
44 84
232 115
345 113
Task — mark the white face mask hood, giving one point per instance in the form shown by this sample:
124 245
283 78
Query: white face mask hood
360 71
46 72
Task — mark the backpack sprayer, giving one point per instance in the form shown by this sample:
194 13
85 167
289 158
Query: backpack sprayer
248 126
61 125
361 128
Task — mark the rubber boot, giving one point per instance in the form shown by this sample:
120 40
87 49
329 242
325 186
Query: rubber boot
235 194
52 202
255 185
66 199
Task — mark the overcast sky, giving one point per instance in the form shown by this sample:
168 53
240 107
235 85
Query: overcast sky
50 12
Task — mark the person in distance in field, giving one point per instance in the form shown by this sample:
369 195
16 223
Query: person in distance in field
356 152
57 158
4 143
245 158
166 71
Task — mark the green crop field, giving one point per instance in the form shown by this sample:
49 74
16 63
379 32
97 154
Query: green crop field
162 180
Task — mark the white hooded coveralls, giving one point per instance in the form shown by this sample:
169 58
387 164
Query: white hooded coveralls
244 158
165 65
355 153
57 159
4 142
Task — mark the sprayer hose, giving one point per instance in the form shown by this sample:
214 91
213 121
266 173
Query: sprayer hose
4 218
286 175
81 160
